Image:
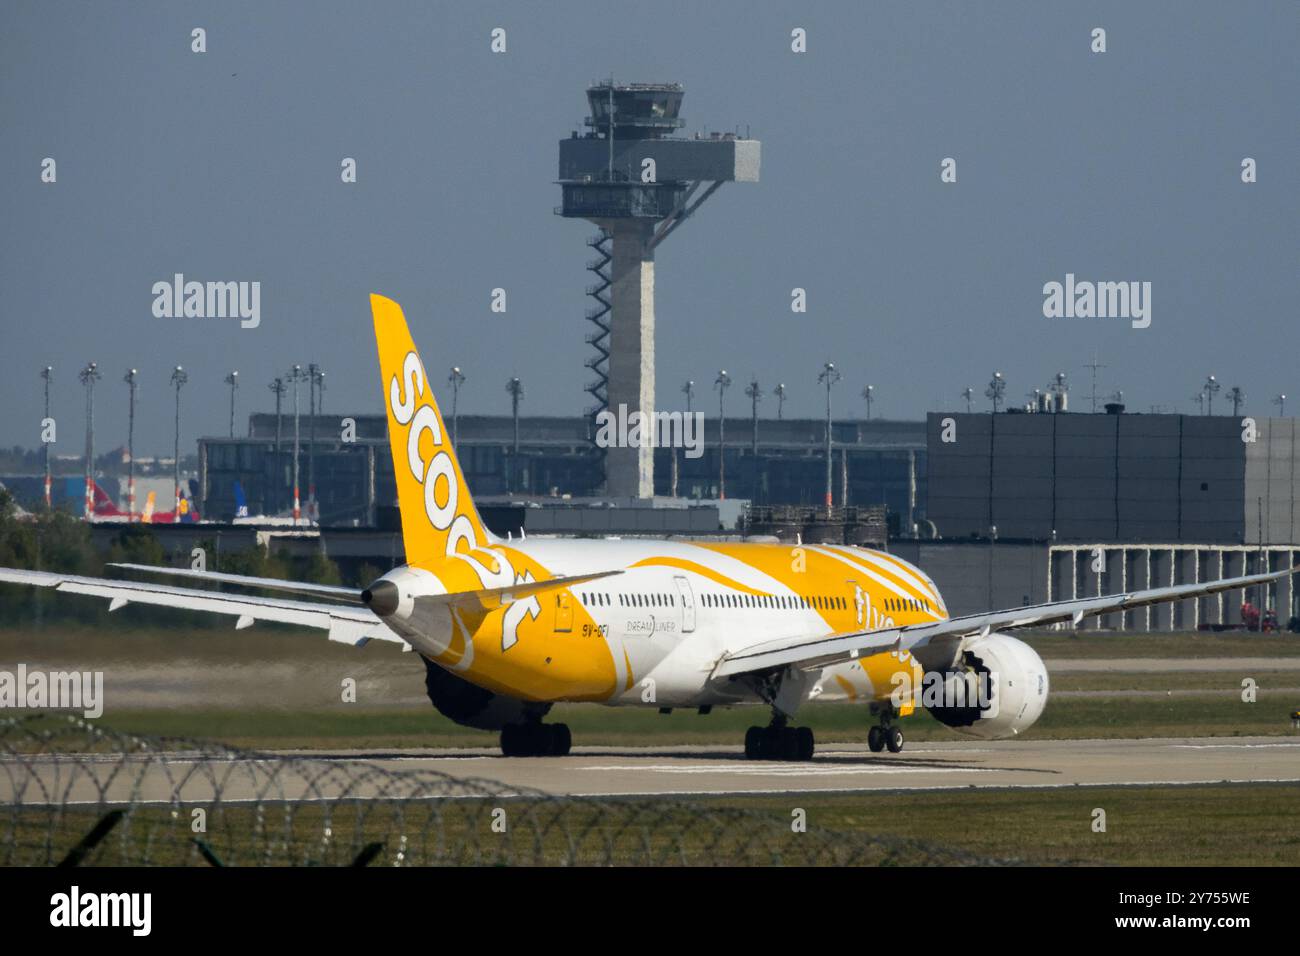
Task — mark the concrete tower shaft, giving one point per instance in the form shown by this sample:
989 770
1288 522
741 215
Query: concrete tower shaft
630 471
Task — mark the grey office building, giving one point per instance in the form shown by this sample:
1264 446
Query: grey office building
1113 478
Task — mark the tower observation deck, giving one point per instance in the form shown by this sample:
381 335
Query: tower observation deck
635 180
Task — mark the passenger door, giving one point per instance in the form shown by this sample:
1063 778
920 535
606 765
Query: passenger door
688 603
563 612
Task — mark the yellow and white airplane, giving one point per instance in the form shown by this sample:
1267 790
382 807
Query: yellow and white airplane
508 628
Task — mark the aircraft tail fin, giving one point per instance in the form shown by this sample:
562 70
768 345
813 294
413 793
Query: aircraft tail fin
439 519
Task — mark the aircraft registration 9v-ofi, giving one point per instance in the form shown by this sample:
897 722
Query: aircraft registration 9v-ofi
508 628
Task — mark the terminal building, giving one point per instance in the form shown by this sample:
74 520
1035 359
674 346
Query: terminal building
780 462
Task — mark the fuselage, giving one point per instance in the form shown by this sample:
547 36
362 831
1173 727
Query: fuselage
652 634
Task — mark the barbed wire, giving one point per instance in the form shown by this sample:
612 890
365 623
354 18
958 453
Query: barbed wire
77 792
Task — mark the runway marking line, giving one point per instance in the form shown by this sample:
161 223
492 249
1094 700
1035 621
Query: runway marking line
787 770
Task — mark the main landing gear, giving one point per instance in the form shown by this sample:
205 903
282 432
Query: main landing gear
885 734
776 741
536 740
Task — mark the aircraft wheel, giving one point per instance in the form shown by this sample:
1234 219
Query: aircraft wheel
754 743
894 739
876 739
511 740
804 743
560 740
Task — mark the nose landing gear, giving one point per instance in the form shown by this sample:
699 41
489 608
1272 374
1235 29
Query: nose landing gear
878 738
886 734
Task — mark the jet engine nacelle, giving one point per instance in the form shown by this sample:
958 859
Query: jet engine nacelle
472 706
1004 689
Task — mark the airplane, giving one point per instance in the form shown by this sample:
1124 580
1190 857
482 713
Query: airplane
508 628
104 508
283 518
188 514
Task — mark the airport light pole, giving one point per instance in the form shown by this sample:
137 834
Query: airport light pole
89 376
46 373
178 380
296 375
277 386
997 387
516 390
1210 388
1238 398
1279 401
779 392
722 383
689 391
315 397
130 378
456 379
755 394
968 393
828 377
232 380
868 392
993 538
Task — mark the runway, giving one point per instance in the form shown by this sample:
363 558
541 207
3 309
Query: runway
684 770
930 766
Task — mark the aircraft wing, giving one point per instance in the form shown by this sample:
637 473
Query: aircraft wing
349 625
937 644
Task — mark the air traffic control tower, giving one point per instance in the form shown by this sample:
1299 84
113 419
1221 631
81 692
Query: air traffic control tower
637 182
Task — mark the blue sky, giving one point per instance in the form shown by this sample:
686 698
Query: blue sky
225 166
